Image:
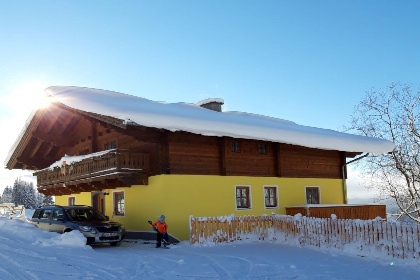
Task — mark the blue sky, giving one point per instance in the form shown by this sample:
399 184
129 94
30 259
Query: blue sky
306 61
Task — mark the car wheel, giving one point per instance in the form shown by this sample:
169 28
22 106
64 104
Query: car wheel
67 230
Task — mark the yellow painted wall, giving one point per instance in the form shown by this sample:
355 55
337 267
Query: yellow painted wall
179 196
84 198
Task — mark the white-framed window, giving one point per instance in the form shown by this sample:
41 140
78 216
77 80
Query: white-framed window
118 202
71 200
313 194
243 197
271 197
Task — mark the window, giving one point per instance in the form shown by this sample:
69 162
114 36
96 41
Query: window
119 205
37 214
312 195
84 152
111 145
235 146
46 214
262 149
270 196
71 200
243 198
58 214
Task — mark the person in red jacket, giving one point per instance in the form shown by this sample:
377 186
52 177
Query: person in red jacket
162 231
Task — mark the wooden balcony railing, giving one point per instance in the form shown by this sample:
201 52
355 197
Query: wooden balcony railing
97 167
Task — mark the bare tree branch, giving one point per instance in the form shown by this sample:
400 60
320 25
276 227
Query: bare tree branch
393 114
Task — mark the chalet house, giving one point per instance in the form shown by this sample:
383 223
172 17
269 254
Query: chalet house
135 159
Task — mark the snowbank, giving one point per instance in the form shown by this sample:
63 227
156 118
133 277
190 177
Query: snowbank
20 231
27 253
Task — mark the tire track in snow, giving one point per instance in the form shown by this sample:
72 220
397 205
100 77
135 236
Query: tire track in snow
11 268
221 271
15 270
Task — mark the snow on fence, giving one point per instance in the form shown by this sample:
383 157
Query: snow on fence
229 228
398 240
9 210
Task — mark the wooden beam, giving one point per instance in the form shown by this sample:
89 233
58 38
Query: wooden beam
140 179
60 125
144 134
47 151
50 118
343 161
75 188
115 183
222 154
351 154
165 147
94 147
38 163
71 124
54 152
56 139
35 149
277 157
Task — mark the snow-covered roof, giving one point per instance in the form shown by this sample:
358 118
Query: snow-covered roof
195 119
210 100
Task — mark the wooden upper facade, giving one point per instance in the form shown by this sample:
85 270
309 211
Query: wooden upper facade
141 152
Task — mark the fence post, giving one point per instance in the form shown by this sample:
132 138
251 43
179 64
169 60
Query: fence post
416 239
192 230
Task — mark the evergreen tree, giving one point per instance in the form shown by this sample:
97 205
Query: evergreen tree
30 196
24 193
43 200
48 200
39 199
17 192
7 195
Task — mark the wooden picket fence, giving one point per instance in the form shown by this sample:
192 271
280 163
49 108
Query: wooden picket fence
399 240
229 228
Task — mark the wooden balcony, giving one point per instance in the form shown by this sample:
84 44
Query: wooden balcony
95 172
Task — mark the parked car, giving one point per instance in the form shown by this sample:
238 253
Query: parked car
93 224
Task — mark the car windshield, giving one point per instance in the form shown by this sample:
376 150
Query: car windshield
85 215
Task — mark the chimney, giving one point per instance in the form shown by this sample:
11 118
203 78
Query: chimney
214 104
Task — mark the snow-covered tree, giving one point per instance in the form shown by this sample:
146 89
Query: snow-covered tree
29 199
7 195
43 200
24 193
393 114
17 192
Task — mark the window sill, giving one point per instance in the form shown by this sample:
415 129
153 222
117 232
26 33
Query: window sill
118 216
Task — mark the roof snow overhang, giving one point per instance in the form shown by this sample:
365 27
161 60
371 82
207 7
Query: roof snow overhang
49 128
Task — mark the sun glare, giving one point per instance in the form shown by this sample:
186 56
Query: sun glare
29 96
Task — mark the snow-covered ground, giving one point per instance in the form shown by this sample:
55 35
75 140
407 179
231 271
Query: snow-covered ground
29 253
